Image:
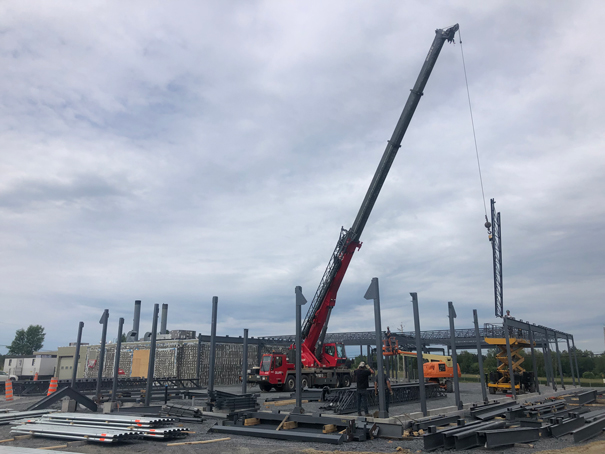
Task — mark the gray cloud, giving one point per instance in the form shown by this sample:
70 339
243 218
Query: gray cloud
175 152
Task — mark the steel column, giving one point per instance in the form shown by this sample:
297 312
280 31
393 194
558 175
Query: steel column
151 366
510 360
452 316
101 359
533 358
245 363
550 365
198 364
212 344
573 378
116 360
137 319
373 293
419 354
300 301
164 319
575 357
559 360
479 357
77 355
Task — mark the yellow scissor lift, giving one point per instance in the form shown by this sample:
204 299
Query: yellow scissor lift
500 380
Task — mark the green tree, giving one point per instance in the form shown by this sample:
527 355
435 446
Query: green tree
27 341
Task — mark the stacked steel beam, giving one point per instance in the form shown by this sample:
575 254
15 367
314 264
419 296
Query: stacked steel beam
344 400
232 402
102 428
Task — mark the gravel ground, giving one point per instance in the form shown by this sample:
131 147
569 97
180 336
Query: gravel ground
470 392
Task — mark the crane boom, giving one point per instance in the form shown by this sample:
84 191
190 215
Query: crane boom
318 315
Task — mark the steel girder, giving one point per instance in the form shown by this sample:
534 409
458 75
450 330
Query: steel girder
507 437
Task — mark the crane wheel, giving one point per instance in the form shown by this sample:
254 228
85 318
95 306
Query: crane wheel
304 382
449 386
265 387
290 383
346 381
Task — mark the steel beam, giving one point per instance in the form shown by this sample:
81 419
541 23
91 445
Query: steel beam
77 355
452 316
419 354
559 360
573 375
373 293
300 301
289 435
480 357
507 437
589 431
212 344
533 358
101 359
151 365
245 363
116 360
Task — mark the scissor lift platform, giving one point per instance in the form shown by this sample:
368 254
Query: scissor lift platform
500 380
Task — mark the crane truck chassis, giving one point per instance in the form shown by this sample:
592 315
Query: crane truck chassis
325 364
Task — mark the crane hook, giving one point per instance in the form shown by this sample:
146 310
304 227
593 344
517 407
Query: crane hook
488 226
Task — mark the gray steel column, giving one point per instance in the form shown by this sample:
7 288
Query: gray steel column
77 355
533 358
360 350
573 377
546 371
419 354
368 356
510 359
116 360
245 363
151 368
164 319
198 364
559 360
137 318
300 301
101 359
259 352
575 358
212 345
373 293
550 365
452 316
480 357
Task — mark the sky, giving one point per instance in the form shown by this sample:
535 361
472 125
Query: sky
170 152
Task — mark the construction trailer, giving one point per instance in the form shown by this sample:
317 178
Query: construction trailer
26 367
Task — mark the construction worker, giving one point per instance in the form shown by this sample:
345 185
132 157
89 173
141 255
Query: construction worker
362 375
388 338
388 391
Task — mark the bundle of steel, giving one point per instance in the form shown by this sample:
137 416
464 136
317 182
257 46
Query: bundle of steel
7 418
344 400
67 432
158 432
227 401
113 420
182 411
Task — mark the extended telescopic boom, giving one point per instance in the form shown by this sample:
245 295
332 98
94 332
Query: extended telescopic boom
316 320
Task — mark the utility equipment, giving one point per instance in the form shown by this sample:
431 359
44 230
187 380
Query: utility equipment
499 380
437 368
325 364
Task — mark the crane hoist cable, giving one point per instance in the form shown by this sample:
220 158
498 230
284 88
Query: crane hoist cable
470 107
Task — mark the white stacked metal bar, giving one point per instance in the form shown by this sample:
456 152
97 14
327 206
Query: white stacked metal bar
158 432
122 420
63 431
8 418
16 450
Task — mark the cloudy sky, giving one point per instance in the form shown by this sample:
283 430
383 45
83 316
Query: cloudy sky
173 151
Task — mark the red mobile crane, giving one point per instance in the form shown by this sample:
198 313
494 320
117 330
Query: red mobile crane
325 364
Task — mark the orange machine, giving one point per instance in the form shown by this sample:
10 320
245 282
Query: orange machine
437 368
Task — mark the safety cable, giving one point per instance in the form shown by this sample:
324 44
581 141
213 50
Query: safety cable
468 93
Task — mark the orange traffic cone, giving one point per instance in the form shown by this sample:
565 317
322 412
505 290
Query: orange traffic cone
36 376
8 390
53 386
